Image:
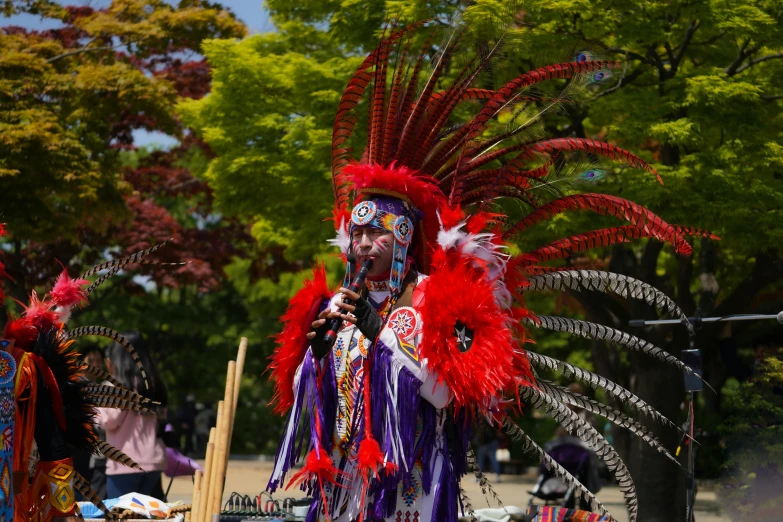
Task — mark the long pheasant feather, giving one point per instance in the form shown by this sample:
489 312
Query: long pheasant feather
502 96
580 401
83 486
120 263
576 425
112 453
102 331
606 204
102 390
101 374
530 446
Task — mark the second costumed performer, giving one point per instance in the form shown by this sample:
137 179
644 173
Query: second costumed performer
432 343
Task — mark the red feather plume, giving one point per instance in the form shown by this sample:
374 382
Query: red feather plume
41 313
22 331
455 292
68 292
292 341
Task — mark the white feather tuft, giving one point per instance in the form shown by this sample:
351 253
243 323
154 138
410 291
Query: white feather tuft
63 313
342 240
485 255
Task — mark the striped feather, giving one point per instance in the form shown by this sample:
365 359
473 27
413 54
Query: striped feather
504 95
599 148
597 381
120 263
101 374
530 446
395 96
580 401
600 332
481 477
102 331
344 123
605 204
467 507
103 401
408 100
83 486
581 242
576 425
598 281
98 282
414 122
102 390
110 452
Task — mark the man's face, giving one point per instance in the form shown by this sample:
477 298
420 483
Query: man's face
376 244
95 359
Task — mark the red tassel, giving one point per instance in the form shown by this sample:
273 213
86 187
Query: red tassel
68 292
369 460
319 466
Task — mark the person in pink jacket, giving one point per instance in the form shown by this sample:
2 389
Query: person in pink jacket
135 433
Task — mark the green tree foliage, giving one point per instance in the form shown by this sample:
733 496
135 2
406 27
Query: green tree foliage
70 96
75 189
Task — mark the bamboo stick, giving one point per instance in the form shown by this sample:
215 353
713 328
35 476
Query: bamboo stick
207 479
196 494
221 450
241 353
206 516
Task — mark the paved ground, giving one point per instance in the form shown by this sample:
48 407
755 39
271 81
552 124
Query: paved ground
250 478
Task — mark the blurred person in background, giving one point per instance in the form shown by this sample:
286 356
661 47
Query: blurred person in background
136 434
205 419
186 420
91 466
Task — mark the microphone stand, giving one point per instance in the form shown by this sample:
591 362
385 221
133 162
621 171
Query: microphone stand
692 357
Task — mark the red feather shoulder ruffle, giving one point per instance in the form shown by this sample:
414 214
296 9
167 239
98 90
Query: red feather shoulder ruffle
493 364
292 341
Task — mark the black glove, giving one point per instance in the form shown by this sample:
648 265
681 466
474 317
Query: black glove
318 345
368 320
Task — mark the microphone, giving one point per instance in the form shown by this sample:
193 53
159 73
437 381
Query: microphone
355 286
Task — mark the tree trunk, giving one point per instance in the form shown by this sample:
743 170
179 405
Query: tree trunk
660 484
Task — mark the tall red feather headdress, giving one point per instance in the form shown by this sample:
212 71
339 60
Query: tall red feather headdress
458 172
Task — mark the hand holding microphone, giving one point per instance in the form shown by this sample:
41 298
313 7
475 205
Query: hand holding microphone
325 328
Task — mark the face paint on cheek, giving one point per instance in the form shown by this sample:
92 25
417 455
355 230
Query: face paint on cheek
382 244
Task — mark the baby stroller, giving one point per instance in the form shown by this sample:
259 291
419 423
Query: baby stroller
576 459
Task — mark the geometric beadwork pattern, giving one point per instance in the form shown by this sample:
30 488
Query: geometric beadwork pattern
62 498
410 491
61 472
5 483
7 368
7 406
7 411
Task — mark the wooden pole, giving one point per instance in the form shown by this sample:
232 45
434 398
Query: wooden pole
241 353
207 479
196 494
206 515
221 450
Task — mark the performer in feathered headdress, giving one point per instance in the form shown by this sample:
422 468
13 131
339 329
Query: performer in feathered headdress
54 404
433 343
